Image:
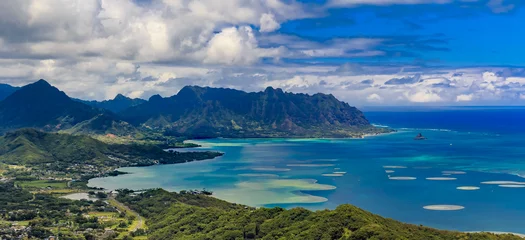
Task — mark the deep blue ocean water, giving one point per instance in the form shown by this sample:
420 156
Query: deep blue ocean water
483 144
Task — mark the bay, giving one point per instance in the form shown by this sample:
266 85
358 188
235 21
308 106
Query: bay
453 180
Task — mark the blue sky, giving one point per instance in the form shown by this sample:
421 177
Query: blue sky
365 52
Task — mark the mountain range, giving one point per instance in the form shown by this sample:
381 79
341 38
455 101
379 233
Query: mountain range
196 112
213 112
116 105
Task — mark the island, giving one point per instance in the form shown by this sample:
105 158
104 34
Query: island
420 137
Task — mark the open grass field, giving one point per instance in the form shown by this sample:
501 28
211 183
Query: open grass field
42 184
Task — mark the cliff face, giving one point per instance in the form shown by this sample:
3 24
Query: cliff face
211 112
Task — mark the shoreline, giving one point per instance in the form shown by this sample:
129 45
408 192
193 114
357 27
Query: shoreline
518 234
522 235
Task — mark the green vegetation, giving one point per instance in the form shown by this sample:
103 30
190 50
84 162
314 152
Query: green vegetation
38 216
195 112
197 216
65 157
198 112
39 184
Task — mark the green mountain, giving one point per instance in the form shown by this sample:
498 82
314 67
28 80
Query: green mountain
212 112
105 124
118 104
59 154
6 90
188 215
40 105
43 106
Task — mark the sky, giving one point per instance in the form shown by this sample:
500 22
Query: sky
365 52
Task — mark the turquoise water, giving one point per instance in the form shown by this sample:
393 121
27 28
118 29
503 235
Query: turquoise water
386 174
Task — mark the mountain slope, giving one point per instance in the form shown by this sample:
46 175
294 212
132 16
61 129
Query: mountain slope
195 216
81 155
104 124
43 106
6 90
39 105
118 104
212 112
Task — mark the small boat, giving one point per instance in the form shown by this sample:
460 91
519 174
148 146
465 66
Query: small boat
420 137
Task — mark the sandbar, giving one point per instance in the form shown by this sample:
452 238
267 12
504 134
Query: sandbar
443 207
467 188
402 178
441 178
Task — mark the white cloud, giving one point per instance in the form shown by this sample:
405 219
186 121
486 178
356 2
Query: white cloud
424 96
268 23
464 98
165 30
375 98
98 48
236 46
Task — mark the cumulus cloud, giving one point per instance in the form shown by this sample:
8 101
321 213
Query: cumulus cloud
164 30
268 23
233 46
424 96
95 49
374 97
464 98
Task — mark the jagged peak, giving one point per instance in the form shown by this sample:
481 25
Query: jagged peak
273 91
120 97
41 82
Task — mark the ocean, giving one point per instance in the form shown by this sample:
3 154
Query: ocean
468 175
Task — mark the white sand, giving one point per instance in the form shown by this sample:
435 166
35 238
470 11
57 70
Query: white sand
511 186
389 171
444 207
402 178
503 183
468 188
340 172
441 179
517 234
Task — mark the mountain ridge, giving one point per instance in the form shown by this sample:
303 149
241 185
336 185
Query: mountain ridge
194 112
211 112
115 105
43 106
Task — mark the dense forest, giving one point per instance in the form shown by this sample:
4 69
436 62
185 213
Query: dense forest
195 216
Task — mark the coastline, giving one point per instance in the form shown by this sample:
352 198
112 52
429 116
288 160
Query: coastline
464 228
522 235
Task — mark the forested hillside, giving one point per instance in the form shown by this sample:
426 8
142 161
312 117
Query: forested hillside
195 216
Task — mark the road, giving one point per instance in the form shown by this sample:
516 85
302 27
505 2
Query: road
121 207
